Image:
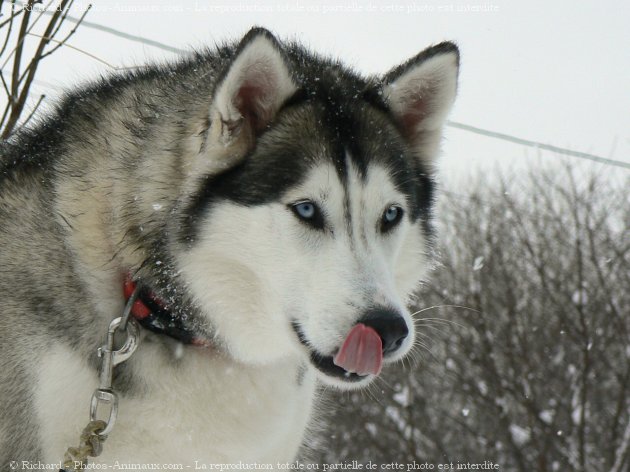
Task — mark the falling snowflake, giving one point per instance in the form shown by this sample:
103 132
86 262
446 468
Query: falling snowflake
478 263
520 435
546 416
402 398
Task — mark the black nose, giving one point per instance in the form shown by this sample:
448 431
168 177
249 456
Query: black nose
389 325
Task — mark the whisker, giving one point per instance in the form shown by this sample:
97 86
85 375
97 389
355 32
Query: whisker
445 306
426 348
415 356
441 320
435 328
387 384
369 392
424 335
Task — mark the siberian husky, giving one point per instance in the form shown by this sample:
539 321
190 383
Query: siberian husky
271 209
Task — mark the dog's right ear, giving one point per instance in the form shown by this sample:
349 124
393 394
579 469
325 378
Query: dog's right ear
251 90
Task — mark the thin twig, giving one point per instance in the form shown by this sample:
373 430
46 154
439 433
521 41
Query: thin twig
32 113
6 108
622 450
19 106
4 84
9 29
17 52
22 36
37 57
13 15
83 51
63 17
72 31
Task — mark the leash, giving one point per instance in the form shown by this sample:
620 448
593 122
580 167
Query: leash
96 432
144 309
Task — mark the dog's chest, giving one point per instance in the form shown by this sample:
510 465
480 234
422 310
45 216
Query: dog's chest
200 410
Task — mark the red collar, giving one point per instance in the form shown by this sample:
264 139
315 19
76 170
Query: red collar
153 313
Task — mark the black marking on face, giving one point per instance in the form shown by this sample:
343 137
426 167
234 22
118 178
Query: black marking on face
361 131
301 373
390 218
257 180
347 205
309 213
335 116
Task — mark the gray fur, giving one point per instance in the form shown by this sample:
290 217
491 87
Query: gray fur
107 184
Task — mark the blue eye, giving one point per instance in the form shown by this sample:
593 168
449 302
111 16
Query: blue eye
305 210
391 217
391 214
308 213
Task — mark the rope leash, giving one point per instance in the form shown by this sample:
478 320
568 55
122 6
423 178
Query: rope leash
90 444
96 432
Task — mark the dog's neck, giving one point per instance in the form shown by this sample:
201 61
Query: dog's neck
154 314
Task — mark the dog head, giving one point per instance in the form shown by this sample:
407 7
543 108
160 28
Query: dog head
312 230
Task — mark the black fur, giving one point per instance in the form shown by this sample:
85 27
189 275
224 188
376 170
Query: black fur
353 118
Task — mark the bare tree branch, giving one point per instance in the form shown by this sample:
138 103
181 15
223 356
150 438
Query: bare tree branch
538 379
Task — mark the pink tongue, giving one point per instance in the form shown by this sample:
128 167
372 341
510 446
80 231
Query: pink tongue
362 351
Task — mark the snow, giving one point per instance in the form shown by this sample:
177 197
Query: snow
546 416
520 435
371 428
558 358
579 297
478 263
179 351
402 397
576 415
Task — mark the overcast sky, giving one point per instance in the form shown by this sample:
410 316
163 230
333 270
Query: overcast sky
555 72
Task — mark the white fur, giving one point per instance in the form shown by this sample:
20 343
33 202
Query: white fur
261 66
432 83
322 281
205 408
253 271
422 97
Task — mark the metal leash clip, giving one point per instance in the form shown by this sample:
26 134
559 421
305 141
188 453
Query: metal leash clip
95 433
104 395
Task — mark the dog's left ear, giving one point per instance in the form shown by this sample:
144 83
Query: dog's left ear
252 89
420 93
